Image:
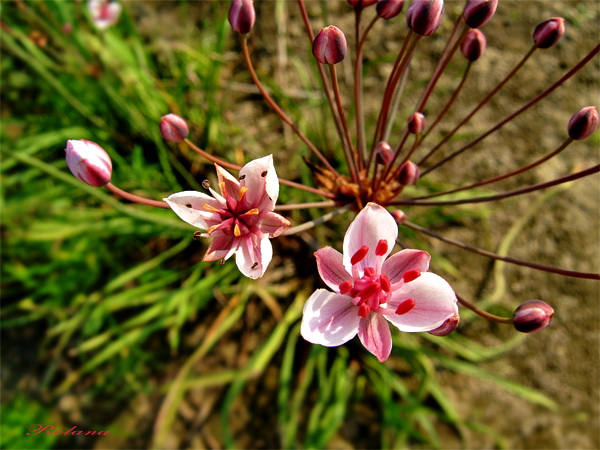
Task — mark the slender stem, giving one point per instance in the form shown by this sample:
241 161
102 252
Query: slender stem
291 206
522 109
395 105
483 313
504 176
519 262
315 222
278 110
136 198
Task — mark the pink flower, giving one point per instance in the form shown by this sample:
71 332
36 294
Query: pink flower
240 219
370 291
104 13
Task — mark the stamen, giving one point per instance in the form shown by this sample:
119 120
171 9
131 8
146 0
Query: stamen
237 232
188 205
263 174
242 177
254 266
243 190
213 228
223 189
384 281
345 287
252 212
208 207
369 272
405 306
411 275
382 247
359 255
197 234
363 310
206 184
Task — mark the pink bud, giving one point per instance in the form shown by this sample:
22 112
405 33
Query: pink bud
583 123
361 3
549 32
88 162
329 46
388 9
173 128
399 216
473 45
425 16
532 316
409 173
104 13
384 152
416 123
479 12
242 16
447 327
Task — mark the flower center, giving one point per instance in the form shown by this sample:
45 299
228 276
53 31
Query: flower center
238 217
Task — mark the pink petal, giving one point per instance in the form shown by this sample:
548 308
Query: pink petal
273 224
408 259
435 301
331 268
232 186
253 255
221 247
374 333
187 206
260 178
371 225
329 319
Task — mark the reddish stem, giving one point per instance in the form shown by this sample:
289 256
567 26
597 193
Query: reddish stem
136 198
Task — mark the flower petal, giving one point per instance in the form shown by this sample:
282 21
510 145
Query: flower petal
371 225
232 186
374 333
408 259
221 247
435 301
329 319
273 224
187 206
260 178
254 255
331 268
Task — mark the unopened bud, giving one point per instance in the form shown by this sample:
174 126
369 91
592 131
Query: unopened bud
409 173
416 123
532 316
88 162
425 16
479 12
388 9
241 16
399 216
173 128
583 123
329 46
447 327
473 45
361 3
384 152
549 32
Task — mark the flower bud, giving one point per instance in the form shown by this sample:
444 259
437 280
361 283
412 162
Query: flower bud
361 3
384 152
173 128
388 9
104 13
425 16
532 316
479 12
399 216
583 123
416 123
241 16
88 162
549 32
409 173
329 46
473 45
447 327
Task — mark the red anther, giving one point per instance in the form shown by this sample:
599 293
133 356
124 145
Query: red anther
405 306
382 247
384 281
363 310
411 275
359 255
369 272
345 287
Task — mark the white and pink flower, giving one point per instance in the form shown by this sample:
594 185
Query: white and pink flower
370 291
240 219
104 13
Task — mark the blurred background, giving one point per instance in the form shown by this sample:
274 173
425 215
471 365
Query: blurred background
110 321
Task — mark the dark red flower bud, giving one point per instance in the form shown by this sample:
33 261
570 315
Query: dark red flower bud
399 216
361 3
425 16
416 123
173 128
473 45
447 327
583 123
479 12
532 316
384 152
549 32
241 16
409 173
329 46
388 9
